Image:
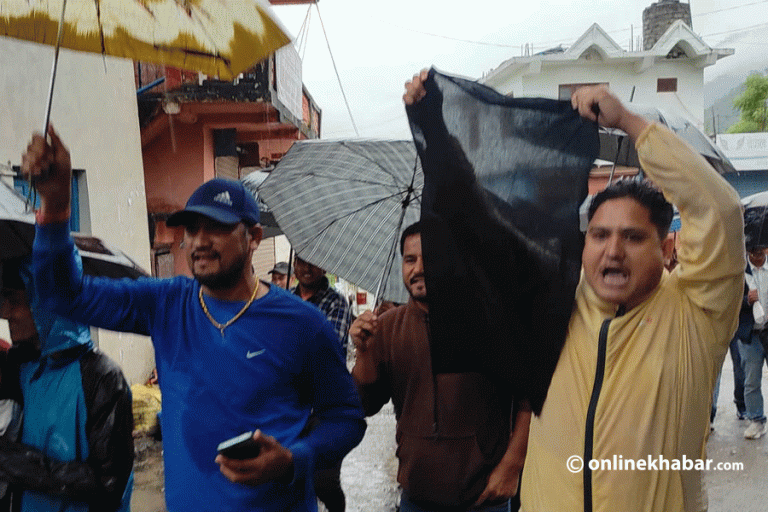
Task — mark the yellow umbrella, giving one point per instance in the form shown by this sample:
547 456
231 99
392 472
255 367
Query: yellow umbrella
217 37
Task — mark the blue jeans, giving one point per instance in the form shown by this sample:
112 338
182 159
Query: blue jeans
738 377
406 505
738 383
752 357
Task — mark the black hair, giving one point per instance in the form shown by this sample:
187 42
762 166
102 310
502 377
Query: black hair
645 193
413 229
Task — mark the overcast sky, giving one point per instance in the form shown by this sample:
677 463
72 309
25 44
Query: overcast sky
377 46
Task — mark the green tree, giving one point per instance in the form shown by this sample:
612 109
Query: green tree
753 104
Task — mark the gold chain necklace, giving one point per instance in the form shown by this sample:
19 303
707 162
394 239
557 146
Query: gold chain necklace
216 324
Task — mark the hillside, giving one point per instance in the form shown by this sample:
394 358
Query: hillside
722 82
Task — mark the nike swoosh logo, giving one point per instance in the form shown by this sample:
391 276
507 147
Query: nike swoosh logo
251 355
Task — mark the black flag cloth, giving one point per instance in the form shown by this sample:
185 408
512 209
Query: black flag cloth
503 181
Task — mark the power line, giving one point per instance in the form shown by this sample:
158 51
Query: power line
730 8
737 30
338 78
378 124
555 41
545 44
440 36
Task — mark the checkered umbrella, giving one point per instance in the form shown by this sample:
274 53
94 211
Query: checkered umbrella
252 182
344 204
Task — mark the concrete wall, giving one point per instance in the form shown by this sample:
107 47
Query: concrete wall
94 111
621 77
174 167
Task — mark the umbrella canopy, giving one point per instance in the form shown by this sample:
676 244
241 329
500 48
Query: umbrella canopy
616 147
17 232
755 219
344 204
218 38
755 216
755 200
755 227
15 222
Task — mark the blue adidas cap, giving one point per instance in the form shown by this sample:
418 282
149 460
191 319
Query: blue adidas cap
225 201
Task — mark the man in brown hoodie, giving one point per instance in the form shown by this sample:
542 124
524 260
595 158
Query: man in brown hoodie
461 440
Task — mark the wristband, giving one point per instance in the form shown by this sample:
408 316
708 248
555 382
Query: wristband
42 219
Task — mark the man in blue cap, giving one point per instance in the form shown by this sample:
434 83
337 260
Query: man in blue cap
233 353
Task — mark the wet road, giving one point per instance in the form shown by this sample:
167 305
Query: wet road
369 472
746 490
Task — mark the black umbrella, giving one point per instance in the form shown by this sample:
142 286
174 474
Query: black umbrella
616 147
755 219
16 224
17 232
503 181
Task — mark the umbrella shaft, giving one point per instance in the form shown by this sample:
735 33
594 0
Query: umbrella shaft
53 68
44 175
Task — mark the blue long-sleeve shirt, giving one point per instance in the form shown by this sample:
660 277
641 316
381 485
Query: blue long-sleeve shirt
269 370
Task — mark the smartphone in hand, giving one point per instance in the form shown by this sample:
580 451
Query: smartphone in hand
240 447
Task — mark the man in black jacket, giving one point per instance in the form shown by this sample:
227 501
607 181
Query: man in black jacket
76 446
751 348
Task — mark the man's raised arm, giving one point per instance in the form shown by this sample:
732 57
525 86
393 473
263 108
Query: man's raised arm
711 249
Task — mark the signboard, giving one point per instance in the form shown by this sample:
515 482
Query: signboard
288 71
746 151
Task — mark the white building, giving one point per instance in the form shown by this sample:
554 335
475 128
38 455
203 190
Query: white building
669 75
94 111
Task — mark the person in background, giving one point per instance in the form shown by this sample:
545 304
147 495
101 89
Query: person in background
11 357
313 287
743 334
460 442
751 347
76 448
738 380
234 355
280 275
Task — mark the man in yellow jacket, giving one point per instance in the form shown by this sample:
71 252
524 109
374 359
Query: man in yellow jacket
633 385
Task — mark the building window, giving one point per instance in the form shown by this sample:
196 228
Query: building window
666 85
21 185
164 263
565 91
